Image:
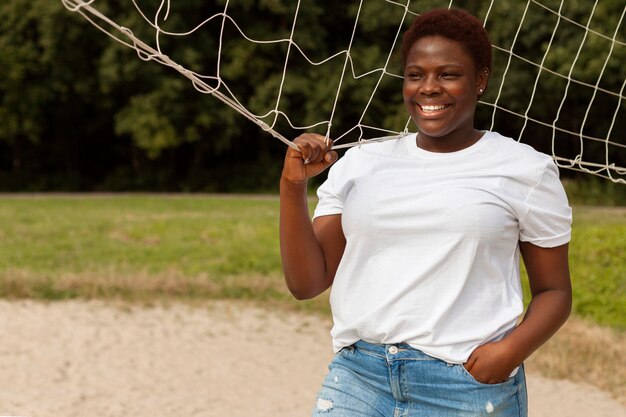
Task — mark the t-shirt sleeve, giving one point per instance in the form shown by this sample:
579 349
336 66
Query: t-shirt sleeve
548 219
332 192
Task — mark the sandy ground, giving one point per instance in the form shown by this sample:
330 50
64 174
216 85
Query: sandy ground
88 359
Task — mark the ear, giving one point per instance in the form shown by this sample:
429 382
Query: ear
482 79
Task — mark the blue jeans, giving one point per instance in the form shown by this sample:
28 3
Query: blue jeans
398 381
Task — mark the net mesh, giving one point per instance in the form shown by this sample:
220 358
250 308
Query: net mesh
571 103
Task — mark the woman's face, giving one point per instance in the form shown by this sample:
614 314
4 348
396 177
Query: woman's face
441 88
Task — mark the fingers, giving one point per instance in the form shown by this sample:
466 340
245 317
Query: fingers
313 147
331 157
313 157
486 366
470 362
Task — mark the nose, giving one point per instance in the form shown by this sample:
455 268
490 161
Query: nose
430 85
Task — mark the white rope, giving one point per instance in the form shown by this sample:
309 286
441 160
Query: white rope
380 78
543 60
216 85
578 157
586 28
343 70
508 64
488 13
284 74
595 90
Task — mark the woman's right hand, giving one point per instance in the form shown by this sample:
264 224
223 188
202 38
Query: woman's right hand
315 156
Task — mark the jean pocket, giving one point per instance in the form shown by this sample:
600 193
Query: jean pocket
471 378
346 350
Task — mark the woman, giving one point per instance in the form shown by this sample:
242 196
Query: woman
420 239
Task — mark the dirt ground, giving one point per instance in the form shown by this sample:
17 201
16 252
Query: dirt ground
79 358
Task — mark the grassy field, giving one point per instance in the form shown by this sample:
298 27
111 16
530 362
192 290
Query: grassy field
140 247
154 248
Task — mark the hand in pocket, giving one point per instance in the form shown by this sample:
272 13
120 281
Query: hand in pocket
491 363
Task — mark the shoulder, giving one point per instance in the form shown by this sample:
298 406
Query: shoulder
380 148
368 157
519 159
514 149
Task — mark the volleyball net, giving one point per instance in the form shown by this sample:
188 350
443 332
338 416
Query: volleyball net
557 83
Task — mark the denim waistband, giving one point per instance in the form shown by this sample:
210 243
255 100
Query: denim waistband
398 350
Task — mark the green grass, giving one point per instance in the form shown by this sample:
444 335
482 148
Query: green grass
595 191
139 246
195 247
152 234
597 265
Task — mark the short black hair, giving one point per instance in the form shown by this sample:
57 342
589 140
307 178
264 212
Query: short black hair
455 24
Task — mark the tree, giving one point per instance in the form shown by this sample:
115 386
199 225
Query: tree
80 111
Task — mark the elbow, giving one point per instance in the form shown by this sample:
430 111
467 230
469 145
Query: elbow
557 303
305 288
569 304
565 304
567 299
301 294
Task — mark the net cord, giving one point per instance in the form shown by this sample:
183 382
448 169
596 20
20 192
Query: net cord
201 82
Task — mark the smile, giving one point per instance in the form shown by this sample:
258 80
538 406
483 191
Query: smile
434 109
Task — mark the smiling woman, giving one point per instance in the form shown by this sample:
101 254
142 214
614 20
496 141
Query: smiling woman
420 239
444 75
441 88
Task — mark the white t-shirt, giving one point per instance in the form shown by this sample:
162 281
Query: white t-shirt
432 254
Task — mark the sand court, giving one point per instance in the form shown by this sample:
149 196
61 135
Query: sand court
221 358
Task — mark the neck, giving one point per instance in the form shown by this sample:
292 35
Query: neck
449 143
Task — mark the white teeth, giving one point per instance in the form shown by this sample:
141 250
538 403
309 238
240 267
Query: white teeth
434 108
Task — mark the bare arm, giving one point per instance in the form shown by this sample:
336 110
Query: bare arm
548 274
310 253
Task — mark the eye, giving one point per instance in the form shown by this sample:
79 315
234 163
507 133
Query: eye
412 75
450 75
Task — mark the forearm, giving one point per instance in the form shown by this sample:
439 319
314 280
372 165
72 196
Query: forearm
302 257
493 362
548 274
546 313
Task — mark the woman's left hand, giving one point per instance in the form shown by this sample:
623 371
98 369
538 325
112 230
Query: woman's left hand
491 363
